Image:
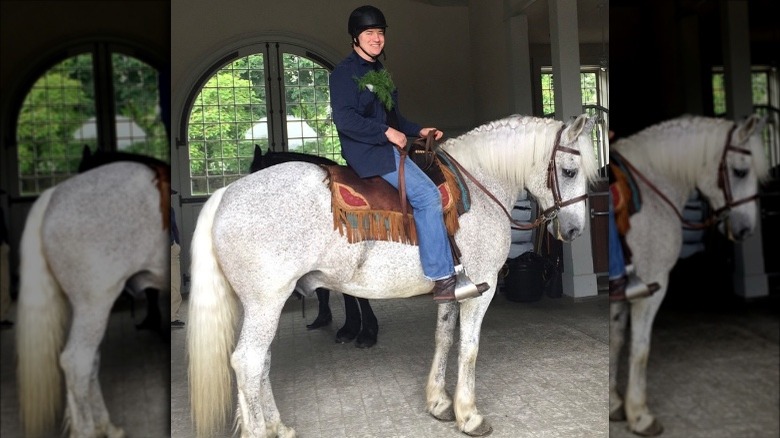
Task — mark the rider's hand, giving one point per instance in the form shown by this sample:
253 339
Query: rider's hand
424 133
396 137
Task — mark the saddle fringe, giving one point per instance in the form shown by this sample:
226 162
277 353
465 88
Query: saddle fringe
367 224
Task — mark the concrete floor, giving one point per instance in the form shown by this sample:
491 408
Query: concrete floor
541 371
714 366
134 376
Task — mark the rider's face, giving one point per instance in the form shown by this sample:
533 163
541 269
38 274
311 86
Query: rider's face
372 41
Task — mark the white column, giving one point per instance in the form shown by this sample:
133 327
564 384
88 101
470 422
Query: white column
520 65
750 280
579 280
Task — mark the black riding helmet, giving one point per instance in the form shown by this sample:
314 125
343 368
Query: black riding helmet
365 17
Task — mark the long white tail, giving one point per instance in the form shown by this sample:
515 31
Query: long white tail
210 329
42 314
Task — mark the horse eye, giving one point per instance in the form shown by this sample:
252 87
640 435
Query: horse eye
569 173
740 173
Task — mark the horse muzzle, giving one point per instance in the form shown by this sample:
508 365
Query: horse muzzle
566 234
735 231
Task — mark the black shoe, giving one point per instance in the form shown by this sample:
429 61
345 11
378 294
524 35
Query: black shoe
320 321
444 290
177 323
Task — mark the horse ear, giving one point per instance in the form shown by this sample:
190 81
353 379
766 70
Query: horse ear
582 124
752 124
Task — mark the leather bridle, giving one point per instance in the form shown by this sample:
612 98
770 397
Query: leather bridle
724 183
552 183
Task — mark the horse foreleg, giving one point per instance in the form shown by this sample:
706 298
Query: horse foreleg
369 326
468 418
438 401
86 411
251 361
643 312
618 316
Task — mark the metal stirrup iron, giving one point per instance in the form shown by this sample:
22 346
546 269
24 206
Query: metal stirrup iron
464 287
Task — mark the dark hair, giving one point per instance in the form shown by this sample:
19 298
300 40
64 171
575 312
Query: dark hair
365 17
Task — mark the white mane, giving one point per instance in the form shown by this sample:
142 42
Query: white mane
510 148
682 147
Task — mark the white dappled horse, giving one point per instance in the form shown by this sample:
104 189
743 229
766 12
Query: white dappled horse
84 240
260 236
723 160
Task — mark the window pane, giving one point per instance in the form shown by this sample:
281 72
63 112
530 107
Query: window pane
718 94
548 94
139 126
310 128
56 121
228 118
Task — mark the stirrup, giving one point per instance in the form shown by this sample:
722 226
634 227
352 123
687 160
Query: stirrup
635 288
464 287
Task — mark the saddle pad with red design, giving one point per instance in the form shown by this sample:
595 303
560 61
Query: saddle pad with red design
370 208
626 197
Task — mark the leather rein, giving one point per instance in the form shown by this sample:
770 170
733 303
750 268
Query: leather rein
552 183
724 183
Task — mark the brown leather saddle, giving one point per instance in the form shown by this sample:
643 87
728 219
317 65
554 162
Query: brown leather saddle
371 209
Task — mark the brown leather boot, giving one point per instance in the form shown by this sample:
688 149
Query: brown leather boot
444 290
617 289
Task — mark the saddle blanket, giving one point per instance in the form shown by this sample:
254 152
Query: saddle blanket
370 208
626 198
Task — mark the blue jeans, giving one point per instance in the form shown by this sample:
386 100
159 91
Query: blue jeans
617 267
424 197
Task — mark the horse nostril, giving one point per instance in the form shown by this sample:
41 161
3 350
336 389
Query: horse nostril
573 233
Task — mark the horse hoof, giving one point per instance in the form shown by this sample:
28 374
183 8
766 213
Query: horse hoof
443 412
617 414
483 429
654 428
365 339
115 432
320 321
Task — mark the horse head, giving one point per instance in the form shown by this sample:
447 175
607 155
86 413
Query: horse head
733 188
560 184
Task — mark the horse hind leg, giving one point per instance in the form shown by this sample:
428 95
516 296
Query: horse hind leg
257 412
273 420
439 402
86 410
99 410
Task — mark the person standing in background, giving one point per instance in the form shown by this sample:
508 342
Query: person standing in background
175 273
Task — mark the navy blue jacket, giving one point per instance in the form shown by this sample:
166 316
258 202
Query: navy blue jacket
361 119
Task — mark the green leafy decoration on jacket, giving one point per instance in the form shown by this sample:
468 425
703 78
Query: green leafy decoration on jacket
381 84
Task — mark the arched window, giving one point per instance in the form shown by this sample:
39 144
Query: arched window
272 95
101 96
